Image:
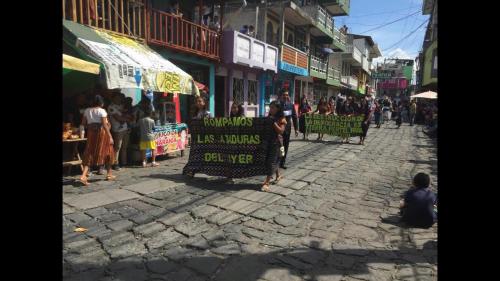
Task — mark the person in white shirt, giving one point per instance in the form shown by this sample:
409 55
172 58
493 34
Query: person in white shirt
119 130
99 147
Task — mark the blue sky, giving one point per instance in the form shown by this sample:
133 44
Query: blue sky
368 14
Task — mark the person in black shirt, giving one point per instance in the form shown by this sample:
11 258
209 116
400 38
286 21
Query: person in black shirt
366 111
237 110
418 208
290 115
348 110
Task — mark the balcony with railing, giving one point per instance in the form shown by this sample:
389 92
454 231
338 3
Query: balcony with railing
245 50
366 65
337 7
125 17
354 54
320 18
350 81
339 40
293 60
353 82
170 31
318 67
333 76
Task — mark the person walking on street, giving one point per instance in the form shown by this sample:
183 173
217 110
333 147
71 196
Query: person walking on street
304 109
331 105
290 115
397 114
367 112
386 109
119 130
322 108
377 111
279 126
413 111
99 149
199 112
347 110
236 111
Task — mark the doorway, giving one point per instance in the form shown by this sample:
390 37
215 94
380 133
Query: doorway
220 96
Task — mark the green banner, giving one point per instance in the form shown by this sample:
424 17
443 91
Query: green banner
381 75
335 125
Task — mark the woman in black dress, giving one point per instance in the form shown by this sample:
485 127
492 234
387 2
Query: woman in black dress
367 112
347 109
279 124
304 109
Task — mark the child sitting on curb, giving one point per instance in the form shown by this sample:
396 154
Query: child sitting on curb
418 205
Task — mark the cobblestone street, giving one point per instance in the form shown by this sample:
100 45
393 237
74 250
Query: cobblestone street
332 217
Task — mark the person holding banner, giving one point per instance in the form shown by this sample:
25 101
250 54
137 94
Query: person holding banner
367 112
304 109
347 110
237 110
290 115
331 106
277 115
322 108
200 109
199 112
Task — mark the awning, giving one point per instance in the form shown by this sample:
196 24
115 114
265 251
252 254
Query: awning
426 95
130 64
74 64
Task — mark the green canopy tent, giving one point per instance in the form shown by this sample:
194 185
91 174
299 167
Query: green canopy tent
79 75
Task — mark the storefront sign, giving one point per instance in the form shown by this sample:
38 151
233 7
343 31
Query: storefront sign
231 147
381 75
335 125
292 68
399 83
170 138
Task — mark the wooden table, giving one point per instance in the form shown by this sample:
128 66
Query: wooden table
77 160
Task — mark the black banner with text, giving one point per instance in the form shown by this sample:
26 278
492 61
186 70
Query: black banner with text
231 147
335 125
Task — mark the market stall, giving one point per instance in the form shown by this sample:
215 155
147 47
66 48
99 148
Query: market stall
134 69
74 71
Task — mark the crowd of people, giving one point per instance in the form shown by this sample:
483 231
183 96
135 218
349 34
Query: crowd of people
109 119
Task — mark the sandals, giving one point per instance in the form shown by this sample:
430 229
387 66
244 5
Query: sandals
110 178
277 180
154 164
83 181
265 188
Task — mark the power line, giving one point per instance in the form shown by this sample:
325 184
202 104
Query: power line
412 41
408 35
386 24
382 13
406 21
